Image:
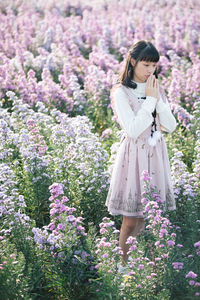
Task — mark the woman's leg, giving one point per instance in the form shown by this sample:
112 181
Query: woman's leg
140 225
131 226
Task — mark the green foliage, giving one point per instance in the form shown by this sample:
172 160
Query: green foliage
12 262
184 141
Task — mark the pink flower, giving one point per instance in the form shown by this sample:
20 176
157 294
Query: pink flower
191 275
177 265
197 244
170 243
197 284
131 240
108 244
165 255
173 234
145 176
132 248
131 273
71 218
98 265
141 266
144 200
60 226
164 231
157 243
197 294
157 259
103 230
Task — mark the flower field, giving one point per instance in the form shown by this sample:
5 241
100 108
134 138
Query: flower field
59 139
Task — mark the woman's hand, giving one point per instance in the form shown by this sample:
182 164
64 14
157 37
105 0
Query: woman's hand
152 87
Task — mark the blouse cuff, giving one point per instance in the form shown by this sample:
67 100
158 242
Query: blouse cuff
149 104
160 106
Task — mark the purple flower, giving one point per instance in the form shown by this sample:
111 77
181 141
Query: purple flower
80 227
132 248
105 255
71 218
197 244
109 224
131 240
60 226
116 249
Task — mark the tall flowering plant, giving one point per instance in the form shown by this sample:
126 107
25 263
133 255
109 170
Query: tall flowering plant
162 238
108 254
64 239
159 233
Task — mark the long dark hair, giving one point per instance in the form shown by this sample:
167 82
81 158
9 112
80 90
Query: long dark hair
141 51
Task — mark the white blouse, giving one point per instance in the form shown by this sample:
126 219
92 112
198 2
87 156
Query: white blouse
135 124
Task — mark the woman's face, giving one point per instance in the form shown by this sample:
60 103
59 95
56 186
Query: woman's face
143 70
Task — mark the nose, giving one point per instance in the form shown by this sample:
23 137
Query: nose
151 69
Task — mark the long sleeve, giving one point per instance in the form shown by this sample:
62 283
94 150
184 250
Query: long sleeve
167 120
133 124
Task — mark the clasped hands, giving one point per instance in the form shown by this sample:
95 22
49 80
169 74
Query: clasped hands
152 87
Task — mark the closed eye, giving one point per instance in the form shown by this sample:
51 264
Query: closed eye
148 65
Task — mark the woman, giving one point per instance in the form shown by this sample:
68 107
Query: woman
142 110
